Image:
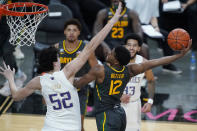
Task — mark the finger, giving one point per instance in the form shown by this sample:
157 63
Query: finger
1 68
4 65
8 67
119 8
190 43
14 70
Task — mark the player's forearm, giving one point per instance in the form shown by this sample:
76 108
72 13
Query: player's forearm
189 2
13 89
151 89
81 82
161 61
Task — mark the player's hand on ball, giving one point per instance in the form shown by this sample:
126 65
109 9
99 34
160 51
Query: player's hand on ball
185 50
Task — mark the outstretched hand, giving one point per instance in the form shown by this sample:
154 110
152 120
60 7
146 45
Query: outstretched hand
185 50
146 108
7 72
125 98
117 15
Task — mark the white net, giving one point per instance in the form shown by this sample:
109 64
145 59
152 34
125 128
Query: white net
23 28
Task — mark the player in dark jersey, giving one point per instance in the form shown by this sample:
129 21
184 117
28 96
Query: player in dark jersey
111 79
69 49
128 23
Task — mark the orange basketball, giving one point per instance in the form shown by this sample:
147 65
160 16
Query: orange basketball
178 39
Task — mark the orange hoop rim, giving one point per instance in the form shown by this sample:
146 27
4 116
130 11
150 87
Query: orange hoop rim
1 11
6 11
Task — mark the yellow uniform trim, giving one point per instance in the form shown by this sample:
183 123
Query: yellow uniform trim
87 102
71 52
145 99
104 121
117 70
123 12
10 103
98 92
4 102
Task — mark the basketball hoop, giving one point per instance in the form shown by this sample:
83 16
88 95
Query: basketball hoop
1 11
23 19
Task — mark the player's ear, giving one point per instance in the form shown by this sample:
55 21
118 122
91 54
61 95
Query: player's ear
55 64
64 31
139 48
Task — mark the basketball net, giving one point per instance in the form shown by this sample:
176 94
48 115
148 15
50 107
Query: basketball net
23 20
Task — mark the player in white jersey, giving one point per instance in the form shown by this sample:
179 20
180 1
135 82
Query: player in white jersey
131 98
63 111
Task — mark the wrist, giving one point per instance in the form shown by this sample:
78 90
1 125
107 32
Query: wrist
150 101
113 20
156 26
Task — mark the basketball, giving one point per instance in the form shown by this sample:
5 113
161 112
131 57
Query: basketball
178 39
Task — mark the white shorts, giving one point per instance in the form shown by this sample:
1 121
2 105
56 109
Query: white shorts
133 114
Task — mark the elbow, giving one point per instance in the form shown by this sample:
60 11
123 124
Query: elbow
15 98
79 86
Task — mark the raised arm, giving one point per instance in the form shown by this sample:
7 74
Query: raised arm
95 73
71 68
135 69
19 93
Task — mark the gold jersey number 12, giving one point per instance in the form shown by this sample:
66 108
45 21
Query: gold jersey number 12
115 84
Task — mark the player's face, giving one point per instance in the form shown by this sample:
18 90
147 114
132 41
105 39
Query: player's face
115 1
133 47
72 33
111 57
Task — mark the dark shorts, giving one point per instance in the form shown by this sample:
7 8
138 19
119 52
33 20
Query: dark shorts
111 120
83 99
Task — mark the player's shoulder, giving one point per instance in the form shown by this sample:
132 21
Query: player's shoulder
103 12
35 82
132 12
98 68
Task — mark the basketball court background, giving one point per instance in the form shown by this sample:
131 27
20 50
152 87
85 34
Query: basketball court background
174 109
175 99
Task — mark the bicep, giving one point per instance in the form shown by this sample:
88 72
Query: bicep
31 86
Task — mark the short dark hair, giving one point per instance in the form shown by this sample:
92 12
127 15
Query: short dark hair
135 37
123 3
73 22
46 59
123 55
